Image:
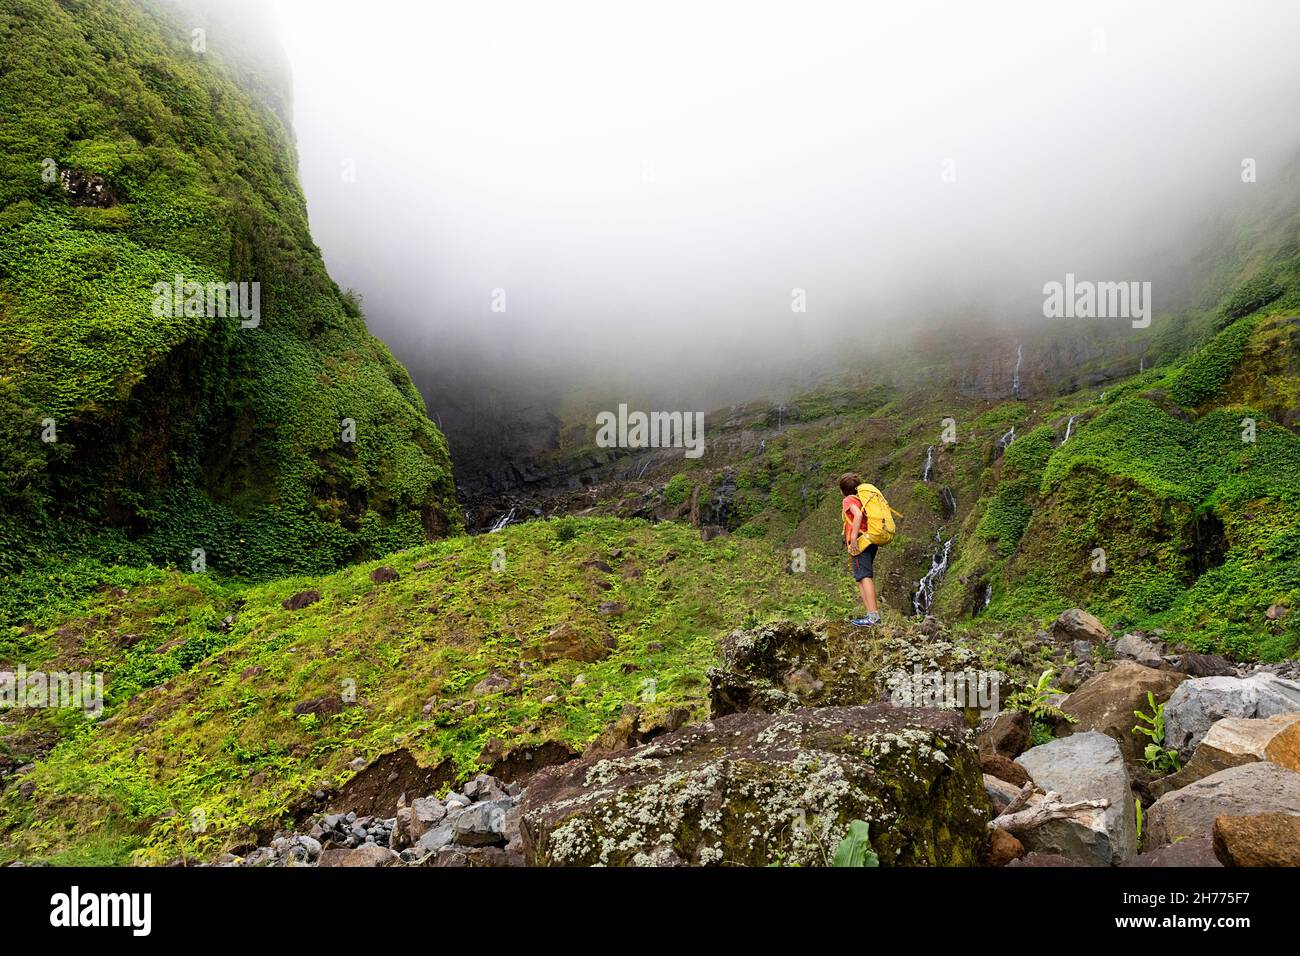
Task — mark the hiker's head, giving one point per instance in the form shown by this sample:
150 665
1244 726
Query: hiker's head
849 483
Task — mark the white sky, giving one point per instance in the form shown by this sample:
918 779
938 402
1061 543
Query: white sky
653 179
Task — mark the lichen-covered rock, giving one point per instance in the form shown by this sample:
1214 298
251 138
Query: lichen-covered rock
752 789
778 667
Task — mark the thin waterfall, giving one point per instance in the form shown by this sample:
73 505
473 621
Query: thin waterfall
504 520
1069 427
929 464
925 588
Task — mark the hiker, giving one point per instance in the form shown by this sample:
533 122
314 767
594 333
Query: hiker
868 523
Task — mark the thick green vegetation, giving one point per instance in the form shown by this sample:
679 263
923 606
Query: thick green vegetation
575 620
1174 504
134 436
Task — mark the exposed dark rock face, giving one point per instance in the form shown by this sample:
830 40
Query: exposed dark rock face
87 189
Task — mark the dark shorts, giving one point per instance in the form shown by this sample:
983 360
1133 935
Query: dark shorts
863 561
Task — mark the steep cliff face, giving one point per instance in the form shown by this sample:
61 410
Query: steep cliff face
250 421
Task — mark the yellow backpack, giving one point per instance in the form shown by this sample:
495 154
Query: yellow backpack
878 516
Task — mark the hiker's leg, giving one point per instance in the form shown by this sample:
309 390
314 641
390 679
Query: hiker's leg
867 583
867 591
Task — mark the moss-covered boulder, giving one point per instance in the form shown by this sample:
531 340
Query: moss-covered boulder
756 789
778 667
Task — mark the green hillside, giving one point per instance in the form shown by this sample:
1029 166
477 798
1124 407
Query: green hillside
128 158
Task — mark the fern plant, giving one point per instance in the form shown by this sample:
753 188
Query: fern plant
1037 700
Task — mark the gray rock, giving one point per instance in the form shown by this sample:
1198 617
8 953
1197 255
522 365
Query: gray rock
482 824
1140 649
1247 790
1081 650
1197 852
1202 665
435 839
1276 694
1197 704
1087 766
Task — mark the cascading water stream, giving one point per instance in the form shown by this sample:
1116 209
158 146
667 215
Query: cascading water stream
504 520
1015 376
1069 428
929 464
925 588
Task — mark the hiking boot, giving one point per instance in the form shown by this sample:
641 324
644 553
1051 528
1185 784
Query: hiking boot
870 619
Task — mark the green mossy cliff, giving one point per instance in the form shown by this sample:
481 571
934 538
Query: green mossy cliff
127 158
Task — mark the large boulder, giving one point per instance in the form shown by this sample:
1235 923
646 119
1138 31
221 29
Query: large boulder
1266 839
1197 704
1234 741
751 789
1085 766
781 666
1247 790
1107 703
1077 624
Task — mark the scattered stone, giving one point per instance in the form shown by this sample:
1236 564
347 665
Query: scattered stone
300 600
368 855
494 683
321 706
382 575
1202 665
1004 768
1003 848
1196 852
482 824
1140 649
1008 734
567 642
1077 624
1043 859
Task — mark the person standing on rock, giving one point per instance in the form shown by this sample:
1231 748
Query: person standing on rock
862 555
